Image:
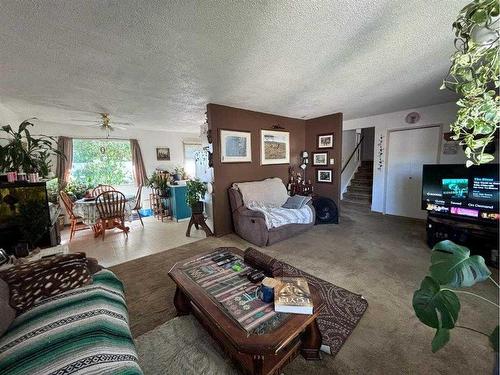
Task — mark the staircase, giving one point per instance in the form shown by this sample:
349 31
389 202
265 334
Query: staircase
360 187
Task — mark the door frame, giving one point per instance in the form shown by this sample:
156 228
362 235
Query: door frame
387 146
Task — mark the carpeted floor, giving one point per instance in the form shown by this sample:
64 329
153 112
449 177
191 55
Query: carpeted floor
381 257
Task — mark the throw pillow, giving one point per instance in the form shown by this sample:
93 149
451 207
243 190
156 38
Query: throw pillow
7 313
32 282
296 202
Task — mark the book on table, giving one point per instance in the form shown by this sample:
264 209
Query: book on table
292 295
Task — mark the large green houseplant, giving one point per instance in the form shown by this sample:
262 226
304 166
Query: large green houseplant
196 190
474 75
437 305
25 152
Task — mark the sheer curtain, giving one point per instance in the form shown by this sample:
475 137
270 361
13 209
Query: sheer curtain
137 163
65 160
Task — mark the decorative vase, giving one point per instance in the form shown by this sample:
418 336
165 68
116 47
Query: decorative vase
33 177
11 176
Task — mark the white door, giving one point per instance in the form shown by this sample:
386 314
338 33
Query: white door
408 150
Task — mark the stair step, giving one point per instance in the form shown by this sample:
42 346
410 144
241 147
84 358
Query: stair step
361 181
358 196
360 188
363 175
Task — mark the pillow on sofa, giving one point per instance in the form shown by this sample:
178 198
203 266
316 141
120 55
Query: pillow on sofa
35 281
270 192
296 202
7 313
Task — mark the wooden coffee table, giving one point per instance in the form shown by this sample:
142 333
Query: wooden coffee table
253 354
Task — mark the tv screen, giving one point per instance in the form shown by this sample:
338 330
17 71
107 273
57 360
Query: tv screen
456 190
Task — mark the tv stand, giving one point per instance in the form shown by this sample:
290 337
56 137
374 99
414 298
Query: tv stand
480 236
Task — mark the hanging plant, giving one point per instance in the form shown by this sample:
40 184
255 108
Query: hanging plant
474 76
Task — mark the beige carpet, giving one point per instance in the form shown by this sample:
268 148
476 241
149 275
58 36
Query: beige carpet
381 257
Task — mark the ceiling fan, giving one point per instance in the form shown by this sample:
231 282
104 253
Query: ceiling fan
106 123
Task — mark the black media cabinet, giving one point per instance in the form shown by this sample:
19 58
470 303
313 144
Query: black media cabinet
480 236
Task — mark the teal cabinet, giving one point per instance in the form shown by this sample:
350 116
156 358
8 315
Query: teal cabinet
180 209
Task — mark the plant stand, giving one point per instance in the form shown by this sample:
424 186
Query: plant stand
198 219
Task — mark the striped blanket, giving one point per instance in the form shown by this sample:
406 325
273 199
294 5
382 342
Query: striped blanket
82 331
278 216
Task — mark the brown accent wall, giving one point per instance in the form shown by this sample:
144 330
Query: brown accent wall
302 137
325 125
222 117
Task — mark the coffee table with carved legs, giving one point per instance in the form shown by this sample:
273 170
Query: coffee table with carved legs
254 354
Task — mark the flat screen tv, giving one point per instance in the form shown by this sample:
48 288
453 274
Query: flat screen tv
459 191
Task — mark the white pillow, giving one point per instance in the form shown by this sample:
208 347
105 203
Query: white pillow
270 192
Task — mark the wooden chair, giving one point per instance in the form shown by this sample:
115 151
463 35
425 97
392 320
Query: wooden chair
111 208
138 203
101 189
76 223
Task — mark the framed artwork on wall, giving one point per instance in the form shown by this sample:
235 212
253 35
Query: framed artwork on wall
324 175
274 147
325 141
320 158
162 153
235 146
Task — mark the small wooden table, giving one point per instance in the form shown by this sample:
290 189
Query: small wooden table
198 219
253 354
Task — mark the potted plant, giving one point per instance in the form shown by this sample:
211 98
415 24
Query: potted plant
24 152
76 190
474 76
436 303
159 182
179 173
195 192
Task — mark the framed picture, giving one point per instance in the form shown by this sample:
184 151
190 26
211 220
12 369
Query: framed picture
325 141
274 147
324 175
235 146
162 153
320 158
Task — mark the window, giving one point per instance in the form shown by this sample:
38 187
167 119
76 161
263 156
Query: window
190 152
102 161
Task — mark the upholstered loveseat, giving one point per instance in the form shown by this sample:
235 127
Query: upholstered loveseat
64 316
252 224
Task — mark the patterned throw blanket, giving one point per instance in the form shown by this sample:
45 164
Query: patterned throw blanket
278 216
82 331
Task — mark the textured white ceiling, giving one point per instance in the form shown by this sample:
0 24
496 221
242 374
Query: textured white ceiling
158 63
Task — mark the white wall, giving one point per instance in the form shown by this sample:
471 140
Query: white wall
348 145
437 114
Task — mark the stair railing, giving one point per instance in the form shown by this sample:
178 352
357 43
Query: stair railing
350 157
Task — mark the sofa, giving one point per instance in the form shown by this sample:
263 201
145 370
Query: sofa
252 224
64 315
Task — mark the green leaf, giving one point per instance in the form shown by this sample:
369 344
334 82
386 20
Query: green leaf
452 265
440 339
494 339
486 158
434 307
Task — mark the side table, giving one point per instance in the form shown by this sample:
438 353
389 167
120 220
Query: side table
198 219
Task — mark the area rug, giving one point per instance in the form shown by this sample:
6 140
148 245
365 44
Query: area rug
181 347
